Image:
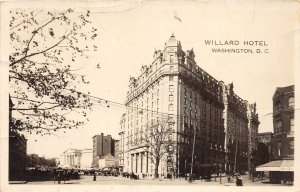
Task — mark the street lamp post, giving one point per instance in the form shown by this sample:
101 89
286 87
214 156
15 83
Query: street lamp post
220 172
193 151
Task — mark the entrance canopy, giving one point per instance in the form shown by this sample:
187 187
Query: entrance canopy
279 165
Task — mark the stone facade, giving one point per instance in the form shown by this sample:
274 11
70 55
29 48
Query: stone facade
197 106
76 159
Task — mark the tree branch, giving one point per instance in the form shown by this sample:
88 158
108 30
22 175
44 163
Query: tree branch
40 52
24 21
30 109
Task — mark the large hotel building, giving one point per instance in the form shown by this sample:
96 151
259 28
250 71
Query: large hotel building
197 106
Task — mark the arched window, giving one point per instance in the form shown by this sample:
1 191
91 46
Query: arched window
291 102
292 124
277 105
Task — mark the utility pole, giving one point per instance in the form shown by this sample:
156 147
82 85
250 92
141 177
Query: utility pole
234 169
193 152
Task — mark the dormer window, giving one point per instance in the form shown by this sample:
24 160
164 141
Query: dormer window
291 102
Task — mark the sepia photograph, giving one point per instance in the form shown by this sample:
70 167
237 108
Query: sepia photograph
149 95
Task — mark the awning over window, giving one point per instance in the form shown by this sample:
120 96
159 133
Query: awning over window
279 165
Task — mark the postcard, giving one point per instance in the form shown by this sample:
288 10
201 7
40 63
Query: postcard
149 95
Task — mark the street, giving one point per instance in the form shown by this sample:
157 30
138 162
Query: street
110 180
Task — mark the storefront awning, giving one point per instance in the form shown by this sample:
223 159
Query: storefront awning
279 165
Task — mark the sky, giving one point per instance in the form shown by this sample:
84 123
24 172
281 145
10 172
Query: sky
130 32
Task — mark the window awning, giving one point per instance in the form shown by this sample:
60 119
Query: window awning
279 165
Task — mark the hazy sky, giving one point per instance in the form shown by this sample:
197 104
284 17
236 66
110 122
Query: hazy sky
130 32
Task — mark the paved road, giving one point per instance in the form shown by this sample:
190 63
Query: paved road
109 180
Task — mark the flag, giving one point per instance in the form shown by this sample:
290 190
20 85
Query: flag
176 17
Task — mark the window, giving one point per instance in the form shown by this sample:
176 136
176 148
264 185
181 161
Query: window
292 144
171 78
171 68
279 126
171 107
171 58
291 102
277 106
171 88
171 98
292 124
279 148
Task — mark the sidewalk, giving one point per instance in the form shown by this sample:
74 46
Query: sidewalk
108 180
17 182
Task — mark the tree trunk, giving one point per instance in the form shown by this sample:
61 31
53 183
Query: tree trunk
156 168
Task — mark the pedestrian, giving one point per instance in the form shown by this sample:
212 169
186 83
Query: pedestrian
239 181
54 175
94 179
58 177
228 178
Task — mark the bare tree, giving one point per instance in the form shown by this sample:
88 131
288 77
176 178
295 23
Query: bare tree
43 83
158 139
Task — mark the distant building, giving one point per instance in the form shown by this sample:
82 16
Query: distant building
117 152
122 142
86 158
76 159
71 158
107 161
17 156
102 145
266 138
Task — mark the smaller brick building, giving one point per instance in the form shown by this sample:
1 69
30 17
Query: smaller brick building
102 145
281 169
283 122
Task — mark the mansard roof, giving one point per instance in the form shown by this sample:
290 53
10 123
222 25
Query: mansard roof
281 90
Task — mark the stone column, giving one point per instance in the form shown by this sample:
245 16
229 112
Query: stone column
142 156
147 166
136 163
132 162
